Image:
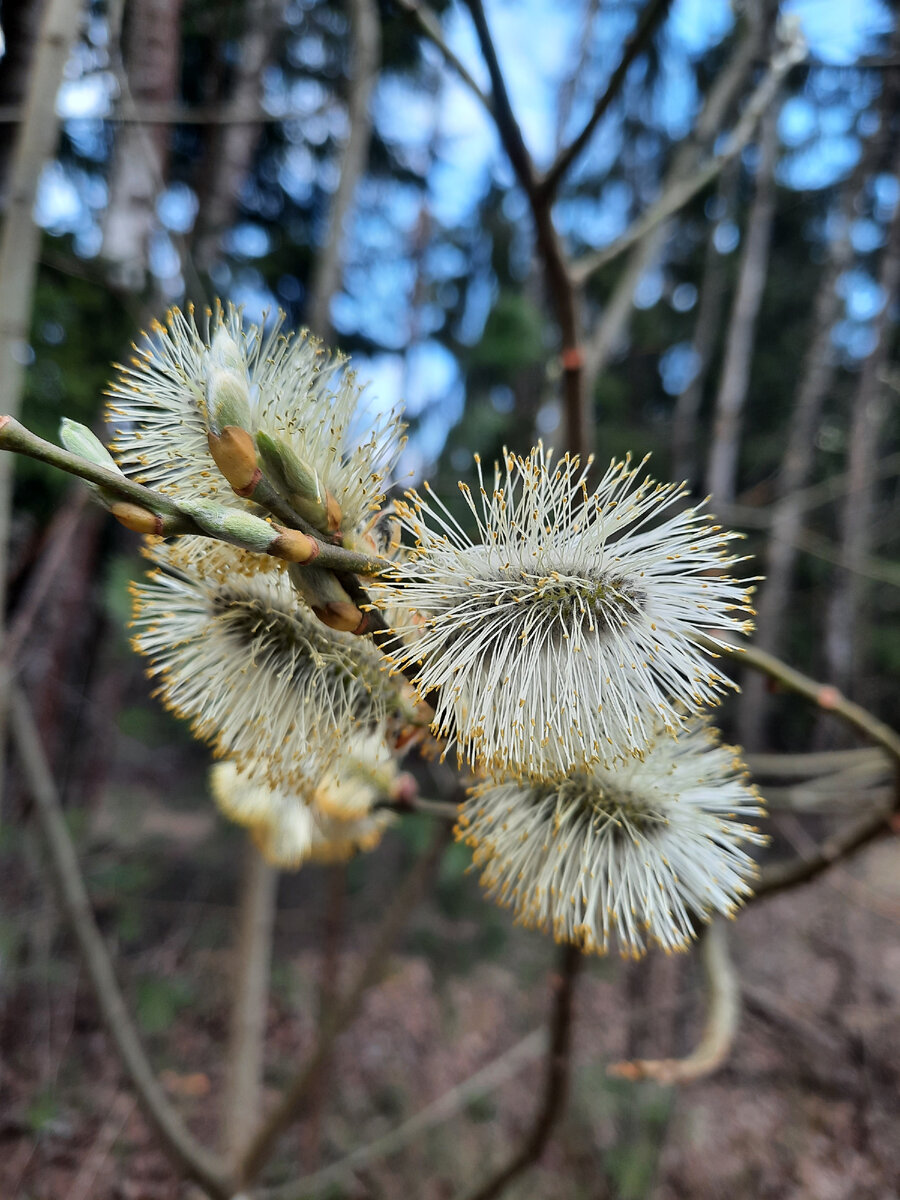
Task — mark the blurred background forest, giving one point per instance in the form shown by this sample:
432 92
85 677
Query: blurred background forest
340 161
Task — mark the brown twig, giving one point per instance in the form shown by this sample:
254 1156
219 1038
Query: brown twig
198 1163
556 1079
294 1098
650 18
561 291
429 25
720 1026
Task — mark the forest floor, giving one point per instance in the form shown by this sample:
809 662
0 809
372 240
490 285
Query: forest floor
805 1109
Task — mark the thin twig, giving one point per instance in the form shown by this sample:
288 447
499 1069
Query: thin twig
556 1079
650 18
720 1026
15 437
825 696
198 1163
291 1103
430 26
683 189
780 877
488 1079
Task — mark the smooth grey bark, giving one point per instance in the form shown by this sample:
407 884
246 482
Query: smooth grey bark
150 74
20 243
722 466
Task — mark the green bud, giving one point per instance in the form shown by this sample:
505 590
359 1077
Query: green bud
227 399
229 525
225 354
299 484
227 384
78 439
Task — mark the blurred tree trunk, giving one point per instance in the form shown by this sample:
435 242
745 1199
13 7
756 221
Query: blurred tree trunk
20 244
365 62
842 623
722 467
151 57
787 512
232 147
713 288
20 27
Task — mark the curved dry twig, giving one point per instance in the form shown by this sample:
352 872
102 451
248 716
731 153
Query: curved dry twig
720 1026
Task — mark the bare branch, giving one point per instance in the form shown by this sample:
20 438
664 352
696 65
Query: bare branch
650 18
824 695
198 1163
681 189
780 877
720 1026
556 1079
291 1104
560 288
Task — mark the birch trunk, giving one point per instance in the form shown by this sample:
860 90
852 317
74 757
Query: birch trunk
152 61
20 243
365 60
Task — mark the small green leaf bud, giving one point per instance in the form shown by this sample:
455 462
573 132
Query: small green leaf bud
228 525
299 484
227 384
78 439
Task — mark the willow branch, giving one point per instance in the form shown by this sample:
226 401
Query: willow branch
649 20
683 189
173 521
781 877
719 1028
825 696
556 1079
488 1079
195 1160
291 1103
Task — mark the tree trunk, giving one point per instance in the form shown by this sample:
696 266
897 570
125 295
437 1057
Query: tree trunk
787 511
855 527
232 147
365 60
152 60
713 287
721 475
